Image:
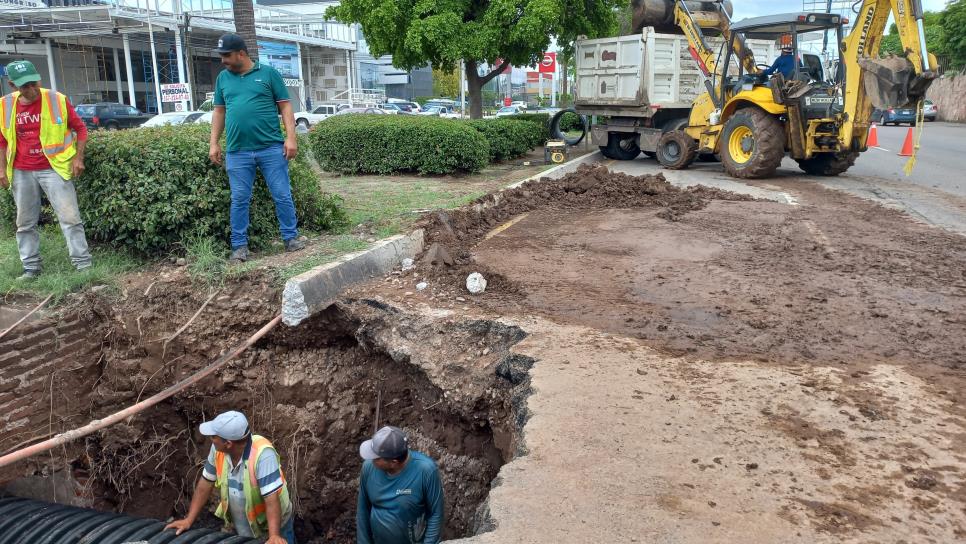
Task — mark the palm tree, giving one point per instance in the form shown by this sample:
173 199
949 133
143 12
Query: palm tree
244 13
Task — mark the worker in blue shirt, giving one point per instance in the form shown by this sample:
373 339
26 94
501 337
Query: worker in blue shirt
784 64
400 493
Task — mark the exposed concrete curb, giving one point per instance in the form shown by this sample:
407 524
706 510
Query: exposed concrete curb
317 289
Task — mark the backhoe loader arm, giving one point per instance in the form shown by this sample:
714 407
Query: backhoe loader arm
692 23
883 83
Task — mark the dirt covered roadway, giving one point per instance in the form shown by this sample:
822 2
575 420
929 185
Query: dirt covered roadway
713 368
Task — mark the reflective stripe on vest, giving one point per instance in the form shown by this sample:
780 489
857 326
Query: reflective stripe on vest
254 503
8 111
56 115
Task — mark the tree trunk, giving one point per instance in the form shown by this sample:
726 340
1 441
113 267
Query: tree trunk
563 84
244 13
474 84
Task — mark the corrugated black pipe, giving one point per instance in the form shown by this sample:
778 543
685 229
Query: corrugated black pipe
23 521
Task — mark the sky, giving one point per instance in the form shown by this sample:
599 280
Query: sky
754 8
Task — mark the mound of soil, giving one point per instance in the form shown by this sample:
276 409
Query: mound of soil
590 187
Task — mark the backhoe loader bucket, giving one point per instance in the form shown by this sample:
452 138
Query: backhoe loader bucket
893 83
660 14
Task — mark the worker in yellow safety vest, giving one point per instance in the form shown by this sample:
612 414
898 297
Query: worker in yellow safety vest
247 471
42 142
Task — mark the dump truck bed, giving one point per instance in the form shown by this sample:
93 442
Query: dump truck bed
639 74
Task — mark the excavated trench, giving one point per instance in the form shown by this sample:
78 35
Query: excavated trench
452 384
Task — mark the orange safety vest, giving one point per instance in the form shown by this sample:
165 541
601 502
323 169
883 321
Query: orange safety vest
56 137
254 502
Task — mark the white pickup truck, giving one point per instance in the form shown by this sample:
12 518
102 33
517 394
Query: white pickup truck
319 113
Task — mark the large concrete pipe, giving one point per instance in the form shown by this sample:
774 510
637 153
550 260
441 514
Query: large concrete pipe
660 13
24 521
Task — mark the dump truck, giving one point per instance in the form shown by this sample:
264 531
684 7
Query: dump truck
641 85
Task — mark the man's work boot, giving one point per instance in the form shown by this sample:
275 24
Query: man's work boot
29 275
294 245
239 255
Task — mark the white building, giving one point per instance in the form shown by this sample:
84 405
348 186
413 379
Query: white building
124 50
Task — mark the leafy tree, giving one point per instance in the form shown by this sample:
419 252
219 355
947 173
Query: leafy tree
478 32
953 22
446 82
935 36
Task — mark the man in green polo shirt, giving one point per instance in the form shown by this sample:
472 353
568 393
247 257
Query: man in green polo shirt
248 99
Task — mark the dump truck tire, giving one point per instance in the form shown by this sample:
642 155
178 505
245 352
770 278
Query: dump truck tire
621 149
828 164
752 144
676 150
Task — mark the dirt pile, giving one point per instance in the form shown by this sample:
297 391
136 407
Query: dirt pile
590 187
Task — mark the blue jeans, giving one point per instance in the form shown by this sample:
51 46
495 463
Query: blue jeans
288 530
241 176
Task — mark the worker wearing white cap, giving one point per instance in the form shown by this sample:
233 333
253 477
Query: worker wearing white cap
255 503
400 493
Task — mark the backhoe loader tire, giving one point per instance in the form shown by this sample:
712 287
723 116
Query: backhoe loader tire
621 149
676 150
828 164
752 144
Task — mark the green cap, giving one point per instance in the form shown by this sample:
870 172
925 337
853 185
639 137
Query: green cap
22 72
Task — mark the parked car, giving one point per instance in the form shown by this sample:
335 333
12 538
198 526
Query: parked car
173 118
350 111
510 110
111 115
895 116
204 118
408 107
930 111
319 113
390 108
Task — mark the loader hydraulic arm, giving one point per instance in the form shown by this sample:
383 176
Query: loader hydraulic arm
692 23
883 83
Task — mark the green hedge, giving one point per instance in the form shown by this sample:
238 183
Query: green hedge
542 120
508 139
149 189
385 144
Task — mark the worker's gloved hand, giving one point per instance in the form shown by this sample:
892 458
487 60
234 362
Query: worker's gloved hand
181 526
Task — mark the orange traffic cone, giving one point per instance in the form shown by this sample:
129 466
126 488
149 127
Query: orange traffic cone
907 145
873 139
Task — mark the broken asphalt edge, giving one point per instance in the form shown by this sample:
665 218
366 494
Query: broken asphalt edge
317 289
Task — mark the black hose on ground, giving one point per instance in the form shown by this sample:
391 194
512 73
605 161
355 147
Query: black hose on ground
24 521
556 133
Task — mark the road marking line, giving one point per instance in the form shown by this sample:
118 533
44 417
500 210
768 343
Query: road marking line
881 148
505 226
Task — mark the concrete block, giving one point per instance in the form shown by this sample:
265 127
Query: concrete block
316 290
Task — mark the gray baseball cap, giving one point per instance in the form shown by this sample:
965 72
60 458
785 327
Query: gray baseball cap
228 426
387 443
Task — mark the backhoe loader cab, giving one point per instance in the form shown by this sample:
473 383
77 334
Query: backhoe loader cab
751 120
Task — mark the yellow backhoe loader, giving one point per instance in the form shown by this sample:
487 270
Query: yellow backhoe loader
820 119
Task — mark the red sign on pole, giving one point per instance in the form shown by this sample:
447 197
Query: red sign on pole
507 101
549 64
533 76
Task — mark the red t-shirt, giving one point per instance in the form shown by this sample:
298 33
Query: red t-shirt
30 154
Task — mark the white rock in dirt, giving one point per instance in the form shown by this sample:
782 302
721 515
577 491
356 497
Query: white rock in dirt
407 264
421 285
476 283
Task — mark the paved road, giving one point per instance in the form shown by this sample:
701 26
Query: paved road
934 194
941 162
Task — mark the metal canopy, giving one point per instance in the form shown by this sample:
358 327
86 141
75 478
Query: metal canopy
25 19
770 27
